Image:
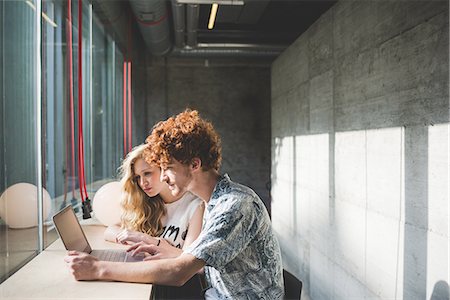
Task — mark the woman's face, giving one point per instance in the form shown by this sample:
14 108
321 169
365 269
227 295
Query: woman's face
148 177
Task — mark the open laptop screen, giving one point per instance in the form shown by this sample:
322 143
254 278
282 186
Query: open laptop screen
70 231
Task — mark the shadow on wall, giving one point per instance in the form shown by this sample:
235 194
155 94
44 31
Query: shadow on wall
440 291
416 212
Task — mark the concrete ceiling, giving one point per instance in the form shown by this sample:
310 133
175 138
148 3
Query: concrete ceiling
248 28
264 22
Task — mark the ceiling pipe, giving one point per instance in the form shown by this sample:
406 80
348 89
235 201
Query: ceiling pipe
230 50
205 53
179 23
193 11
153 20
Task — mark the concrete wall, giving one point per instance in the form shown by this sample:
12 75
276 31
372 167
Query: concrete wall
234 95
360 152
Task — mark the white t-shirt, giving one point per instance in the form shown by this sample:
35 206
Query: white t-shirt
176 221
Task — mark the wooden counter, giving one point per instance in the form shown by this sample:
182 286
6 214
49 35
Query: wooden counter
47 277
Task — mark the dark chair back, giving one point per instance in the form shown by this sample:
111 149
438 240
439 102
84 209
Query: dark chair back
292 286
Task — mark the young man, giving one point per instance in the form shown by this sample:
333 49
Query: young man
237 248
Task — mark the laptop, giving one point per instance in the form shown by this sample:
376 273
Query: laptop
73 238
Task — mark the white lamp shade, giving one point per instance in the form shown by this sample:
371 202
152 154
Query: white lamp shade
106 204
18 205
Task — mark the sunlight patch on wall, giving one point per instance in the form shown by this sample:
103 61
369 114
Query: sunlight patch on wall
385 211
312 186
438 209
283 183
369 184
350 205
300 206
300 182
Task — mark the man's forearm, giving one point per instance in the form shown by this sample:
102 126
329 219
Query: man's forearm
165 271
142 272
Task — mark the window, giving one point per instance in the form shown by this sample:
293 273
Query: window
102 118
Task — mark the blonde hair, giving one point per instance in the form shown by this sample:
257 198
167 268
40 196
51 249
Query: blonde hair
140 212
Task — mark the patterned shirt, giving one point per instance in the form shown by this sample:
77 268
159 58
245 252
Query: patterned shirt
242 255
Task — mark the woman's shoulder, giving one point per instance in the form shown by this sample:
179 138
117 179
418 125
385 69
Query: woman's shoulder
190 198
190 203
184 207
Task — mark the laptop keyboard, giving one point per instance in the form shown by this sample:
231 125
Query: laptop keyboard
110 255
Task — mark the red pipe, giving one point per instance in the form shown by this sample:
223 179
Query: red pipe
81 178
124 107
129 106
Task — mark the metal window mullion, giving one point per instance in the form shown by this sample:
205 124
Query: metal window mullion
113 106
38 62
91 125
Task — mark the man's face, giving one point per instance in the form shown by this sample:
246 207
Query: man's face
178 176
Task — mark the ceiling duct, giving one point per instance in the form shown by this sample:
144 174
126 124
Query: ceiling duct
153 19
114 16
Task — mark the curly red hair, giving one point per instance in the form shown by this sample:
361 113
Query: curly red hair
184 137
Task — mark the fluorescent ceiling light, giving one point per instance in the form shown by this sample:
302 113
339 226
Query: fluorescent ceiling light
30 4
50 21
212 16
44 15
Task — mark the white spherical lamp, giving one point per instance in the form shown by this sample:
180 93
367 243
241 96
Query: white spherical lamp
106 204
18 205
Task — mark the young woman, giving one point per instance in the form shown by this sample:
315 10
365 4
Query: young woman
151 214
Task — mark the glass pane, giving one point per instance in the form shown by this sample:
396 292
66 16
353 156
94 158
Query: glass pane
107 105
18 205
54 108
101 86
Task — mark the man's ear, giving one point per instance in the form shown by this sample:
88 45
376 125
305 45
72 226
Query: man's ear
196 164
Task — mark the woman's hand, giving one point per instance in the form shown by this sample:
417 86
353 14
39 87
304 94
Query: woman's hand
160 250
126 236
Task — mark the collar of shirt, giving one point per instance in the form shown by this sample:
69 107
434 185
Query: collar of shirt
222 187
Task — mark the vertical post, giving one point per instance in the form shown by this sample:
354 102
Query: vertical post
113 103
40 199
91 126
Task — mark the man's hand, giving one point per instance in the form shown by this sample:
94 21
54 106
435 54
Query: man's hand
164 250
82 265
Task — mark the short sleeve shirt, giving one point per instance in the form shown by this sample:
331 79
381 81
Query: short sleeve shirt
242 255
